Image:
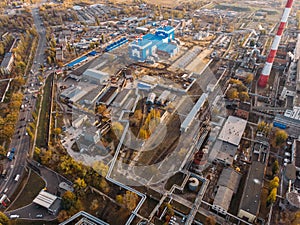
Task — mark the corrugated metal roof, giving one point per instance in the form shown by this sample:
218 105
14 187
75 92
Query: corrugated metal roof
45 199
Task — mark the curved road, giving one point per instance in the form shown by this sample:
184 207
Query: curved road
21 141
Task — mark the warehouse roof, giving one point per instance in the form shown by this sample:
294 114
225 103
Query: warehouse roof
230 178
252 190
233 130
95 74
169 48
223 197
189 118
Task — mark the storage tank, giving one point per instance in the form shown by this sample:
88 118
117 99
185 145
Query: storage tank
150 98
193 184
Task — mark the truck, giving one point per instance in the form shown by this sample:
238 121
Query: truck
11 156
279 125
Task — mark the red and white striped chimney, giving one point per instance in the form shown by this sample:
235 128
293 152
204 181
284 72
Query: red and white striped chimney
263 79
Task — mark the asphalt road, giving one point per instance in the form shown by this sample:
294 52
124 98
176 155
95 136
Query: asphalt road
21 141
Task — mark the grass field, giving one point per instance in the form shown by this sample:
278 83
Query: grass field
31 190
42 136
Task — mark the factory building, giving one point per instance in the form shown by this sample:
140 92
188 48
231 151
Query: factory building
95 76
151 45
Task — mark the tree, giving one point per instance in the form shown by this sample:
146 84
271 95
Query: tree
130 200
280 137
68 200
94 205
100 168
57 131
249 78
143 134
274 183
275 168
4 219
62 216
119 199
232 93
272 196
118 128
210 220
244 96
79 183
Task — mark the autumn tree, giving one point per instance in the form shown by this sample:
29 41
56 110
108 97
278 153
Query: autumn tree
57 131
100 168
94 205
280 137
272 196
210 220
274 183
68 200
79 184
249 78
232 93
275 167
244 96
118 128
4 219
62 216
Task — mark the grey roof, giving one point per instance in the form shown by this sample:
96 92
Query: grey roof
290 172
93 73
233 130
230 178
6 59
189 118
223 197
294 199
250 201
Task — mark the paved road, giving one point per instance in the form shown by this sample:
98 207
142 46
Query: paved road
52 180
21 141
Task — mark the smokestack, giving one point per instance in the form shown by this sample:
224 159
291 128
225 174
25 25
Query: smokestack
263 79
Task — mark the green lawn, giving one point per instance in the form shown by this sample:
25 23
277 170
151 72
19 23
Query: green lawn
42 137
31 190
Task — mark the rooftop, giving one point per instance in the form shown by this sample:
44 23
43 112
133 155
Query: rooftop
294 199
233 130
251 197
95 74
45 199
230 178
6 60
223 197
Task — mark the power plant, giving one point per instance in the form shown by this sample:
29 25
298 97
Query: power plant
264 77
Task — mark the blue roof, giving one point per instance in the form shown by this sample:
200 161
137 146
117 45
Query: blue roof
166 28
142 42
152 37
169 48
92 53
75 62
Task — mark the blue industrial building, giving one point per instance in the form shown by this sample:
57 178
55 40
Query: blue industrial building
152 45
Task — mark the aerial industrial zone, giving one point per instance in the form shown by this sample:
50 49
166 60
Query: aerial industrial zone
150 112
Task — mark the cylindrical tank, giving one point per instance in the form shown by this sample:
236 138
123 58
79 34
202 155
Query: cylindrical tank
193 184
